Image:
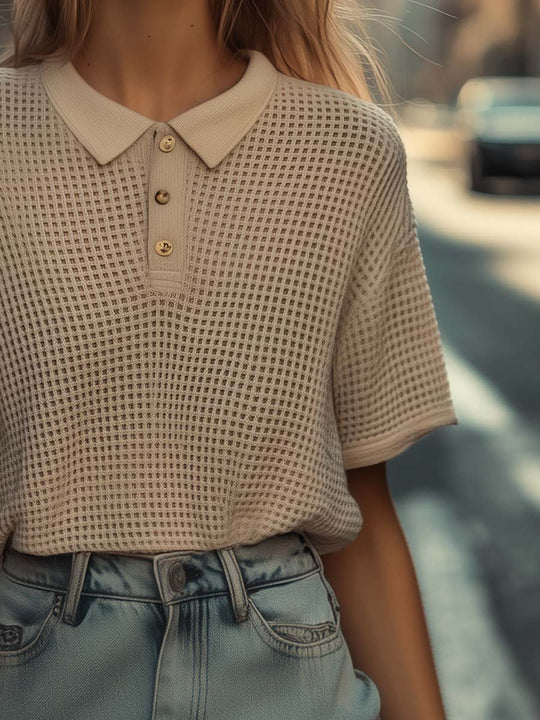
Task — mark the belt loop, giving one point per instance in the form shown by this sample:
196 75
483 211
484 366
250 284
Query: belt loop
79 564
313 550
235 581
329 588
7 545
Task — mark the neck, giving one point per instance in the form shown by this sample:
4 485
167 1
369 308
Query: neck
158 58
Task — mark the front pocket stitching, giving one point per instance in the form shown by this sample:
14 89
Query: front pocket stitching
16 657
268 625
293 647
289 628
314 626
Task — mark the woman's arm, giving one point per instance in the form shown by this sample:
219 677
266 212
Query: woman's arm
382 614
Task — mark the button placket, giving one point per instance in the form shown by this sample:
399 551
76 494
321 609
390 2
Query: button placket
166 250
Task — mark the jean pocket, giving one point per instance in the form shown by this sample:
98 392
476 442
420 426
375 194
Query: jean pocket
298 616
28 615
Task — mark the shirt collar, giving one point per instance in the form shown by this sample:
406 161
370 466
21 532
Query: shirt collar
107 128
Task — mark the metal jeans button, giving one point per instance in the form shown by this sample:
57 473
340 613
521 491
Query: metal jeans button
177 576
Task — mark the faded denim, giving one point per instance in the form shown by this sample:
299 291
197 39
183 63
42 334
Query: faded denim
245 633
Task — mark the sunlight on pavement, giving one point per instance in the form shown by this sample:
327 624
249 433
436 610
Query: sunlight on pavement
480 406
478 676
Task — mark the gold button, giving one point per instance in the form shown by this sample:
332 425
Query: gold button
167 143
162 197
164 247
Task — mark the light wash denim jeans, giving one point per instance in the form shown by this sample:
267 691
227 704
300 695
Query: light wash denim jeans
244 633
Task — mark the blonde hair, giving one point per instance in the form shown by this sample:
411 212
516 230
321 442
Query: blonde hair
322 41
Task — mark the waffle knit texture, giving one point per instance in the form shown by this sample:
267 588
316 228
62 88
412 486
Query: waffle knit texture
213 395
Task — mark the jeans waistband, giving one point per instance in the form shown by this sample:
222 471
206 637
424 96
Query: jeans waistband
168 577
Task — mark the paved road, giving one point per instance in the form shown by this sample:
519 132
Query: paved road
469 495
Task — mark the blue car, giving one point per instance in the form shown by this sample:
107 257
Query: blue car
500 119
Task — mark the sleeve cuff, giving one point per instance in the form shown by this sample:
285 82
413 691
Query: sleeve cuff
371 452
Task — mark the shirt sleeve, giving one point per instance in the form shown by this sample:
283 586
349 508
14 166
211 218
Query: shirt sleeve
390 384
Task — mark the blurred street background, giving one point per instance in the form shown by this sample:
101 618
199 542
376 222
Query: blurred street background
469 495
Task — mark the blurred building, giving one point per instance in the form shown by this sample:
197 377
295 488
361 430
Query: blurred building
432 48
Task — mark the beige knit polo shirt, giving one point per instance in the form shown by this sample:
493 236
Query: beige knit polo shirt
204 322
